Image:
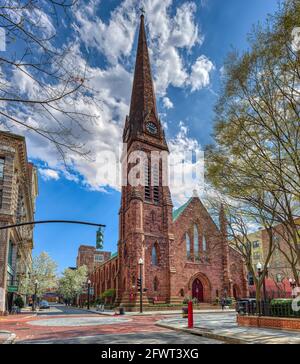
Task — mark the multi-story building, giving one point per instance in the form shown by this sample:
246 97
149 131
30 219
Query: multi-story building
18 192
91 257
178 253
279 270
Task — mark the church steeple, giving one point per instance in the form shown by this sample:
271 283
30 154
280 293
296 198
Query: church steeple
143 116
143 97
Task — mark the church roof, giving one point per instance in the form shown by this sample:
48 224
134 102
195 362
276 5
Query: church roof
179 211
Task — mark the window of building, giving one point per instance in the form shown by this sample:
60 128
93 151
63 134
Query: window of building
155 284
10 254
1 197
154 255
2 160
156 183
196 242
204 243
276 240
99 258
256 256
188 245
147 180
250 279
256 244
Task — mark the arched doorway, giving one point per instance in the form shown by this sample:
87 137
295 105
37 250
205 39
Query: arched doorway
197 290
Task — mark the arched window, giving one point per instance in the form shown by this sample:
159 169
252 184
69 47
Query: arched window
188 245
154 257
147 180
155 172
155 284
196 242
204 243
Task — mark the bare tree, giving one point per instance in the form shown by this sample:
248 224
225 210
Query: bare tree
43 85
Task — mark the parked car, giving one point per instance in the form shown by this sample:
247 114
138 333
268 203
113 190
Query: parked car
44 305
243 305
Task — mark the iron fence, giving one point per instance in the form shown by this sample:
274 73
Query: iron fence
272 309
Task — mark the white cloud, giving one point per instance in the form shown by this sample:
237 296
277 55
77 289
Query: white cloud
48 174
168 104
168 38
171 36
186 159
201 69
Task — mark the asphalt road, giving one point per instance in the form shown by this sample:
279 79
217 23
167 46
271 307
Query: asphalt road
62 310
67 325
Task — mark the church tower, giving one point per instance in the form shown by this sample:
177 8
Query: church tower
146 207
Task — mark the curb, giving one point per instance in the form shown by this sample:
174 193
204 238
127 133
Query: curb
207 334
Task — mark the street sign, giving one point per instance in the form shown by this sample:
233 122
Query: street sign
12 289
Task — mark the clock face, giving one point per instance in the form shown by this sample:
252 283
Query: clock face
151 128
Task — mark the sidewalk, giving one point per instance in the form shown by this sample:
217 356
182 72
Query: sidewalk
7 337
224 328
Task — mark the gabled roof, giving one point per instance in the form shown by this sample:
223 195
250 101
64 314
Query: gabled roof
179 211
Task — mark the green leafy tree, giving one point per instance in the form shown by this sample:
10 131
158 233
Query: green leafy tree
109 295
42 278
72 283
255 159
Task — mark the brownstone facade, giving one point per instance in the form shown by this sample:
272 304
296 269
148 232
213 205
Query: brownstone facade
184 252
91 257
18 192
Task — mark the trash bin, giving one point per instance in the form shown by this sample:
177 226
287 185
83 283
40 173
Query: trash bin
121 310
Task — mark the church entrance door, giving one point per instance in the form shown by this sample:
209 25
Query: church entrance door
197 290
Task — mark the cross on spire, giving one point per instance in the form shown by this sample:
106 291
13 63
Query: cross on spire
142 10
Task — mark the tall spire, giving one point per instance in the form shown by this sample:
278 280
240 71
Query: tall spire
143 98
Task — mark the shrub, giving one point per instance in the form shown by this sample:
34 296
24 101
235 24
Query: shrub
19 302
283 308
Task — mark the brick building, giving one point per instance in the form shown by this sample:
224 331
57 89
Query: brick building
91 257
184 252
279 271
18 191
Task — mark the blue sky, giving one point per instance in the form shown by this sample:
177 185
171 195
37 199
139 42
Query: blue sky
187 74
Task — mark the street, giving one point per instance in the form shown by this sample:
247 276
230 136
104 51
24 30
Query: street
67 325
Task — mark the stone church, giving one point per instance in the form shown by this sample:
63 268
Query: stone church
184 253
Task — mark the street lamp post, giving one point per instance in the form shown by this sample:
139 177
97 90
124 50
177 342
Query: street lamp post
89 289
141 262
35 294
260 272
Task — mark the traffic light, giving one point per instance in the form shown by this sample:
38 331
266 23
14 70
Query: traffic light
139 282
99 238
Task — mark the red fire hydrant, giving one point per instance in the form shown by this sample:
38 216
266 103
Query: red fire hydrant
190 315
